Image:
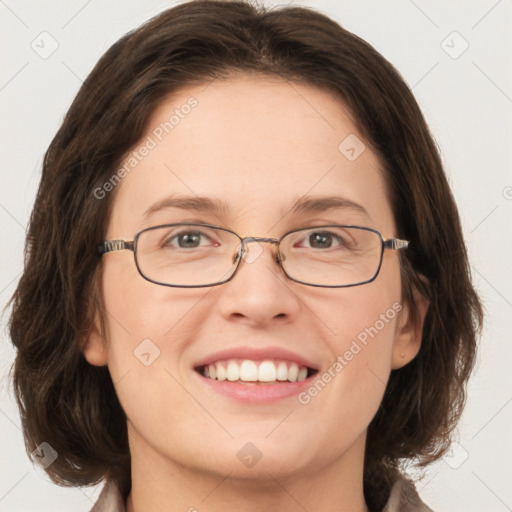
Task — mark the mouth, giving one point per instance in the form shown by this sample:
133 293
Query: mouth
255 375
249 371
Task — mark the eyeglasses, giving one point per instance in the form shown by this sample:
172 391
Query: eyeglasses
189 255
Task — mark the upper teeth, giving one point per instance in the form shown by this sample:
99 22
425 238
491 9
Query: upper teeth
253 371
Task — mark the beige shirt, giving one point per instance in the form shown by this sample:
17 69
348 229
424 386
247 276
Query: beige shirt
403 498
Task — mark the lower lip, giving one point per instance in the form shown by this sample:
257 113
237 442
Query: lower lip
255 392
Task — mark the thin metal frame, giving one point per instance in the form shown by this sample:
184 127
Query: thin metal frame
120 245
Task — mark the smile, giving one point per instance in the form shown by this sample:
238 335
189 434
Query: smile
264 371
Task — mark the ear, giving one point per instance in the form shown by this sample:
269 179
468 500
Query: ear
409 332
95 350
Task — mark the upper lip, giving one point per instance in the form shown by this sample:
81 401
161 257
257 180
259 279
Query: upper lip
255 354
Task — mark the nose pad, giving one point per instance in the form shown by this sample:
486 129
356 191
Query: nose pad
238 253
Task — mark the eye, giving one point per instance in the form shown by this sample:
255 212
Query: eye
324 240
187 240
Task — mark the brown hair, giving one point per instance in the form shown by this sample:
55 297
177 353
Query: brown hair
73 405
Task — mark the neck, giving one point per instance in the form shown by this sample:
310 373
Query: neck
161 484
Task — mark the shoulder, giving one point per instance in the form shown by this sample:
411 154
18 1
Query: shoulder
404 498
109 500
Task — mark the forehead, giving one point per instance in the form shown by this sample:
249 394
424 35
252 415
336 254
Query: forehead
256 144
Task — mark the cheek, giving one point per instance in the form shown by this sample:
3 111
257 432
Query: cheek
360 327
362 320
364 356
150 327
141 315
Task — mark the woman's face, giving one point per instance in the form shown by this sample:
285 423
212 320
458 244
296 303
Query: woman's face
258 145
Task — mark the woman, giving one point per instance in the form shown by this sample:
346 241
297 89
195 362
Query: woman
246 285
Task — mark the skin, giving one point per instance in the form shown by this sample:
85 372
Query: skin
258 143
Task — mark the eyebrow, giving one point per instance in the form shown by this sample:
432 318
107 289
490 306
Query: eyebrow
303 205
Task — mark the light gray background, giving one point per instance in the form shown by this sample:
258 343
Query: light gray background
467 100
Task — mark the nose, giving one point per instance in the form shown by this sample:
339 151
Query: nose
259 293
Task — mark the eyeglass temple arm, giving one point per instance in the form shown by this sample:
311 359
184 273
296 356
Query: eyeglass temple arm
115 245
395 244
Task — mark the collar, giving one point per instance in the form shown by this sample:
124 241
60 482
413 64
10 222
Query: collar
403 498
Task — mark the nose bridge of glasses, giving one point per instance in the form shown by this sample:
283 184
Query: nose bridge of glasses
248 239
259 239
